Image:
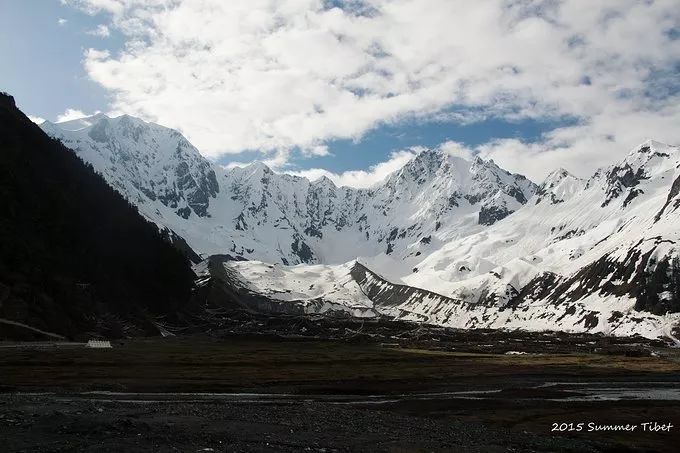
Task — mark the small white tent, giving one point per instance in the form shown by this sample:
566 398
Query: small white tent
99 344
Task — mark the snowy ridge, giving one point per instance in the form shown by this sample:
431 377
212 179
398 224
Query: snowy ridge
261 215
609 213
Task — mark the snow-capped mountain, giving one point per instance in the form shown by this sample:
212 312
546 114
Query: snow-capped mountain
434 242
597 255
569 224
258 214
149 164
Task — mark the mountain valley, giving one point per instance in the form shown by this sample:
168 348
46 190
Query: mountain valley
444 240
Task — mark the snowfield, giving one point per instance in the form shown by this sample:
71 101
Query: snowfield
340 290
303 282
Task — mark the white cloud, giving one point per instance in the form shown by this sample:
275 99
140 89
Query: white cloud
274 75
36 119
585 147
61 21
361 178
316 150
453 148
101 30
71 114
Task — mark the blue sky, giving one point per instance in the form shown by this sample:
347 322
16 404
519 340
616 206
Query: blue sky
374 147
42 59
355 84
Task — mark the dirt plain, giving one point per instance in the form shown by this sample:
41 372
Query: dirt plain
424 391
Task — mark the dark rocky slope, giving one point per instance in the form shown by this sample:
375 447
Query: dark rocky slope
75 256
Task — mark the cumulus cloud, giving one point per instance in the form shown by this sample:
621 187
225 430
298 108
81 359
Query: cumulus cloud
101 30
276 75
61 21
457 149
582 148
362 178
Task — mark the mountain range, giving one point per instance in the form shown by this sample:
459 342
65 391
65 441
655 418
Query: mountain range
255 213
444 240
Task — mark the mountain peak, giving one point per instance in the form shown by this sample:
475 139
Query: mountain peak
478 160
258 165
430 156
651 148
652 155
80 123
99 115
556 176
324 181
650 144
143 161
558 186
479 163
254 168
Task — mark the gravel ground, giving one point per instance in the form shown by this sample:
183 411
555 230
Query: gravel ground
47 423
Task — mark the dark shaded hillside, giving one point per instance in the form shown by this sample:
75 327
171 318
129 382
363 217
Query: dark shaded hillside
74 255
